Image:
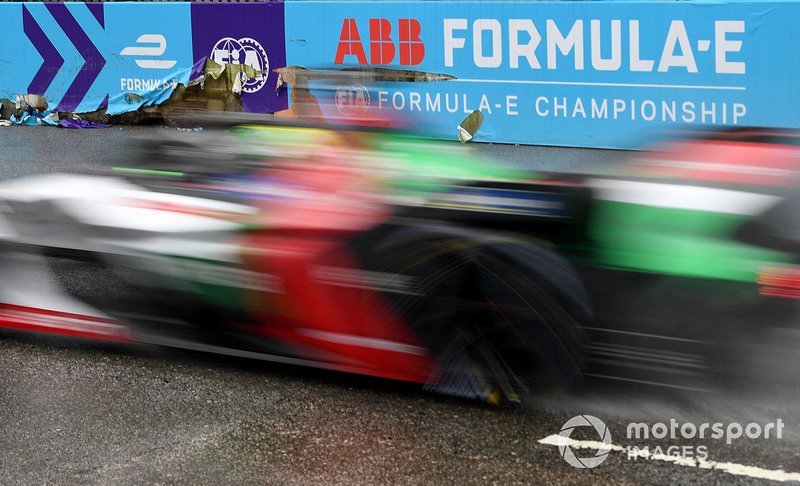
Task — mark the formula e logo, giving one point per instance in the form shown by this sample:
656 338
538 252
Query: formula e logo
152 51
352 100
245 51
381 45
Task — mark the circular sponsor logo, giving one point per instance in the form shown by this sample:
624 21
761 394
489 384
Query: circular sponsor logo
352 100
567 451
245 51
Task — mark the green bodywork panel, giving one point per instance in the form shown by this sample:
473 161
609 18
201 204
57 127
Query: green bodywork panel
416 165
675 242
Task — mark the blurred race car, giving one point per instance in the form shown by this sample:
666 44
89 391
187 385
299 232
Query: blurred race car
382 253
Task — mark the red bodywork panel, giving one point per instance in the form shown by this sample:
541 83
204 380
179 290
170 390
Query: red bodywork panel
327 310
736 162
336 320
64 323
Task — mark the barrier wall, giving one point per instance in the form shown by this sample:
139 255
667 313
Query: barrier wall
86 56
594 74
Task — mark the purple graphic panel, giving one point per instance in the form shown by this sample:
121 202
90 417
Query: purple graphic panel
51 59
244 33
93 60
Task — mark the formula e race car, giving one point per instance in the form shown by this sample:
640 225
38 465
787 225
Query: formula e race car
381 253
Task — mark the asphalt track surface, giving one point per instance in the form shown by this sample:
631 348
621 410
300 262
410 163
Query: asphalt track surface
78 412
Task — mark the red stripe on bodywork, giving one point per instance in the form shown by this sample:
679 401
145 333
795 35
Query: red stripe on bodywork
64 323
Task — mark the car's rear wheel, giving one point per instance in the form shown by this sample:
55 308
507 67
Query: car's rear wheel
499 314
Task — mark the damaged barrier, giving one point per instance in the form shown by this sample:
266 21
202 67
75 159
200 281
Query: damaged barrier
115 58
595 74
592 74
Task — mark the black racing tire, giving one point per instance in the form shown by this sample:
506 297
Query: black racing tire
500 314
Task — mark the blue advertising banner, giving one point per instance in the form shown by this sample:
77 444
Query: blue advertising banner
244 33
86 56
594 74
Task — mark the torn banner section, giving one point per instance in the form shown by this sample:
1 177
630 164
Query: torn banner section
78 123
27 114
227 78
470 126
33 117
136 93
30 116
235 74
210 87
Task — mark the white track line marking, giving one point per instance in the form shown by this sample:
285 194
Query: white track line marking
728 467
